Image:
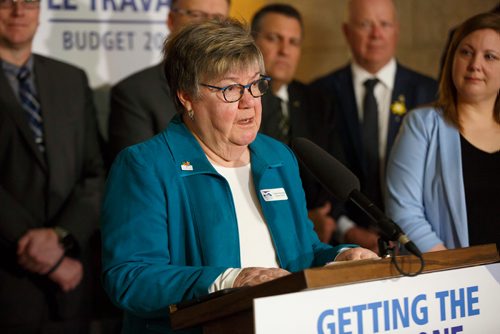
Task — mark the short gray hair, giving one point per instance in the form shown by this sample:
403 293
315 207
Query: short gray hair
207 51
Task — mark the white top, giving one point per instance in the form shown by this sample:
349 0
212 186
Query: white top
256 245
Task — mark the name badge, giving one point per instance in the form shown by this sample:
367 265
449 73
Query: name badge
276 194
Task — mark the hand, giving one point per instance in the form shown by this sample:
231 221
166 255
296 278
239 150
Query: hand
38 250
438 247
358 253
68 275
254 276
324 224
363 237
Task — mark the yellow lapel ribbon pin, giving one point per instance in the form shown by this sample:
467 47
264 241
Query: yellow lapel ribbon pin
398 107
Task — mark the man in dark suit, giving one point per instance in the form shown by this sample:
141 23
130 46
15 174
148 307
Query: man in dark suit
50 182
278 32
141 105
365 124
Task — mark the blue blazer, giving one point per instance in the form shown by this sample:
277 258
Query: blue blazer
169 231
426 195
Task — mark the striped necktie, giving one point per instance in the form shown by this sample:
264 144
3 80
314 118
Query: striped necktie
284 122
31 106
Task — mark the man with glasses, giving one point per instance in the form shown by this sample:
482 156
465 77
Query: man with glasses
50 182
141 105
366 101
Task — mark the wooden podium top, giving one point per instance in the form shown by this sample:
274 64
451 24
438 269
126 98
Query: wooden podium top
333 275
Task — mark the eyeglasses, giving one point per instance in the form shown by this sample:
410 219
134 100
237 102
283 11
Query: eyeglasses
234 92
197 15
27 4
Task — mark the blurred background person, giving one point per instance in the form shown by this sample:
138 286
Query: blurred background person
364 103
443 176
184 211
141 105
495 9
278 32
50 183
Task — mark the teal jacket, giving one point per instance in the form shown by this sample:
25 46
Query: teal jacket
168 231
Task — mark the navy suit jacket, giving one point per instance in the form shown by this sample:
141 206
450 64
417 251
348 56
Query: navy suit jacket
334 97
302 124
298 108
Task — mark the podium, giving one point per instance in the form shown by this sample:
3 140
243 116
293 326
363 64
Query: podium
234 312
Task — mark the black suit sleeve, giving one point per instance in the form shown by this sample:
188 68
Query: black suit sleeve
129 123
80 213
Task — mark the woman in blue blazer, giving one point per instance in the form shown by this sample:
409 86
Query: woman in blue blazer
208 203
443 175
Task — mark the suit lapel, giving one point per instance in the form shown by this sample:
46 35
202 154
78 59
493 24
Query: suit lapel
13 108
57 132
297 108
349 111
400 92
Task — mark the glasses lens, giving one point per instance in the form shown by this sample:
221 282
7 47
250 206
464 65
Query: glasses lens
233 93
259 87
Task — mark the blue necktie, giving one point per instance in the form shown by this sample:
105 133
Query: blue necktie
31 106
370 143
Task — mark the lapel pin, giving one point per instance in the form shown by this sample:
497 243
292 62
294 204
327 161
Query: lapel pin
186 165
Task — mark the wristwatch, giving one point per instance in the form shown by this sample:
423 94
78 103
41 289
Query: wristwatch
65 238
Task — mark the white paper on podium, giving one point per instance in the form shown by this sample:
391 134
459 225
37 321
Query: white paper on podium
449 302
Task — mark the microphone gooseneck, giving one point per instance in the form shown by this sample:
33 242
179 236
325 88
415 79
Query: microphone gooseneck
344 185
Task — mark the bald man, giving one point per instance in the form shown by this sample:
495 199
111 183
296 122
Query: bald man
371 29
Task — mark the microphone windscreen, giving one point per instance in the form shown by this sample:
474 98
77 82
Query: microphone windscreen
331 173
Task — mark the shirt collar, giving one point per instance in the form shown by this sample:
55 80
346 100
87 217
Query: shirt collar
386 75
282 93
14 69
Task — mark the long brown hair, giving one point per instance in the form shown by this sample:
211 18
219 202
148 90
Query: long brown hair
447 100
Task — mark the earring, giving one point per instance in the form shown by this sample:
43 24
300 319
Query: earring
190 114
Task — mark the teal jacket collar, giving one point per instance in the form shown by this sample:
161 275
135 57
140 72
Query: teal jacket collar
191 160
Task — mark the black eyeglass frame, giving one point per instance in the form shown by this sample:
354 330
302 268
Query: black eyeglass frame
263 78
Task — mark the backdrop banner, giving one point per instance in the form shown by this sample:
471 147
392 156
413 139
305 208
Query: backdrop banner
110 39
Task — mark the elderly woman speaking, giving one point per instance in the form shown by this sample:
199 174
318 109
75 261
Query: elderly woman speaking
208 203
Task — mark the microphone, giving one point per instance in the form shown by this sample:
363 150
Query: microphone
344 185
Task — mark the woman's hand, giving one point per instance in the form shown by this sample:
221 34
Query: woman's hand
254 276
358 253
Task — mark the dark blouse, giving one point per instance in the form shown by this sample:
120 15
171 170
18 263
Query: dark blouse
481 173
